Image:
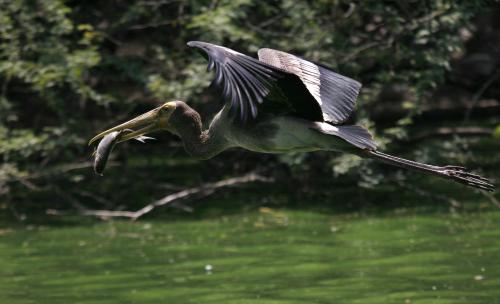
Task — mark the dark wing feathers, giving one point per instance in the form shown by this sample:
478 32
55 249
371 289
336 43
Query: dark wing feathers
355 135
312 91
245 81
335 93
358 136
338 94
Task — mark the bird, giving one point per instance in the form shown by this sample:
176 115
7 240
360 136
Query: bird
276 103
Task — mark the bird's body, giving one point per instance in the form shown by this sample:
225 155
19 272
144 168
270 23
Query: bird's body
280 103
282 134
268 134
285 134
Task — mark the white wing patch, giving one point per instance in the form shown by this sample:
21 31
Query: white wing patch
355 135
308 72
336 94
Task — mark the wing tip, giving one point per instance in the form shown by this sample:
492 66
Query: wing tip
245 81
198 44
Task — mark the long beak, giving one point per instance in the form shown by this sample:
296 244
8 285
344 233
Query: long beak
147 122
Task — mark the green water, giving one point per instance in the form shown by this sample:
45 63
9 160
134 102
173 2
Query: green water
261 256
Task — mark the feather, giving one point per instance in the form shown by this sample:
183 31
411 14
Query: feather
245 81
355 135
250 86
335 93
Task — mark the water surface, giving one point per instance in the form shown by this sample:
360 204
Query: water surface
264 256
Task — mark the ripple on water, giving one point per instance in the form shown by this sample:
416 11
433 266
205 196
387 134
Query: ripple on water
402 258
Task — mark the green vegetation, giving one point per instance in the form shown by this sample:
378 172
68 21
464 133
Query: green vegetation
69 69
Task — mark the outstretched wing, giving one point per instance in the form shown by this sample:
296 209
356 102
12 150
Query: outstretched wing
335 93
246 82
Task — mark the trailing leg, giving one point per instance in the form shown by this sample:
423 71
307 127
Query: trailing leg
455 173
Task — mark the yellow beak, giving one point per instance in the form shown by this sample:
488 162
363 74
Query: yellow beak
148 122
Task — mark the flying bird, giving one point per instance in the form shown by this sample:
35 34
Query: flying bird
277 103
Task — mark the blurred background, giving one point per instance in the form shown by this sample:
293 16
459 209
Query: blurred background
69 69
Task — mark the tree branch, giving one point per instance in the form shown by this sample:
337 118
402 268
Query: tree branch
479 94
424 193
202 191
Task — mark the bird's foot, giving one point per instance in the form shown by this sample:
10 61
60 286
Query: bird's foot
463 176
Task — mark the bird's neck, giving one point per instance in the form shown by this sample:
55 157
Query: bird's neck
199 143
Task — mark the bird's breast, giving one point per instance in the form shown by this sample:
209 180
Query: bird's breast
277 135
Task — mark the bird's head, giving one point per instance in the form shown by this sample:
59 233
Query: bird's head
154 120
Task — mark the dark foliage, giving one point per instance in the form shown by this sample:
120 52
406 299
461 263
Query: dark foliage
71 68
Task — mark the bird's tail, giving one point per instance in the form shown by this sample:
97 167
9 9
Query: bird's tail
456 173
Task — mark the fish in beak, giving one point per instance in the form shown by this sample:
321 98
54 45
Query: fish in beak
104 149
154 120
